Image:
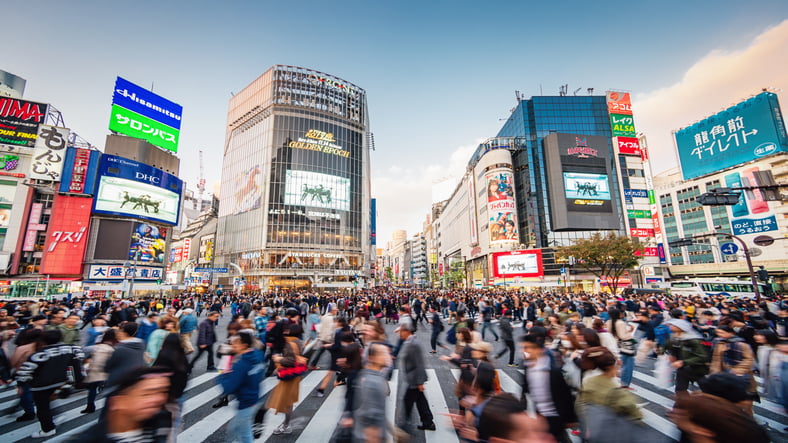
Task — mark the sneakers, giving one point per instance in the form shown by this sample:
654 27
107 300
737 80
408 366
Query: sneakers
320 393
42 434
26 417
512 365
257 430
283 429
427 427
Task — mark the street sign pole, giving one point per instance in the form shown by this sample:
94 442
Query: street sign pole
746 257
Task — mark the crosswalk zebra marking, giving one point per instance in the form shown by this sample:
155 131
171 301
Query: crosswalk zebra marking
445 432
661 424
391 400
308 383
326 419
11 418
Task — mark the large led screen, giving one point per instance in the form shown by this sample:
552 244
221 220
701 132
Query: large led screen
303 188
586 186
148 243
526 263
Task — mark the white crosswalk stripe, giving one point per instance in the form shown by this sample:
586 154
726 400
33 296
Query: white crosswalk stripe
317 418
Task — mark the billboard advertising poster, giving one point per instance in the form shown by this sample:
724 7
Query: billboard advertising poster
144 102
629 146
131 189
751 215
501 207
581 185
19 120
525 263
7 192
135 125
66 240
619 103
622 125
80 168
248 192
119 272
304 188
148 243
747 131
49 153
5 217
373 222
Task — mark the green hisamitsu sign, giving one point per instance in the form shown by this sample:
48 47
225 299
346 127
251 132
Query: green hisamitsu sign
135 125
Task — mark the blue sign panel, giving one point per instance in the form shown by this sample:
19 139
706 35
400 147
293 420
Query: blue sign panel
729 248
143 102
216 270
742 226
373 208
635 193
79 174
749 130
131 189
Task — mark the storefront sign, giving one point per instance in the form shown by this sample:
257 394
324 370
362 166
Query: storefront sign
49 153
19 120
119 272
69 225
638 232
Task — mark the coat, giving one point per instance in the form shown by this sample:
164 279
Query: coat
560 392
742 366
98 360
207 333
412 363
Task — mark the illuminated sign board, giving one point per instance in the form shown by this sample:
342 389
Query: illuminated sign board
79 171
526 263
131 189
639 213
135 125
319 141
143 102
67 235
619 103
636 193
622 125
639 232
49 153
148 243
501 207
578 185
119 272
747 131
303 188
629 146
19 120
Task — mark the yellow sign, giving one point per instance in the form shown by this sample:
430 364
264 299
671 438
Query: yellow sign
320 141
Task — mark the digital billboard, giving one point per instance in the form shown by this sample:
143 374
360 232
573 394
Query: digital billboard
747 131
131 189
148 243
140 113
19 120
501 207
526 263
303 188
67 235
581 185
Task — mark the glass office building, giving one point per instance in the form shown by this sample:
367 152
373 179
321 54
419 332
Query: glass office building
295 194
533 120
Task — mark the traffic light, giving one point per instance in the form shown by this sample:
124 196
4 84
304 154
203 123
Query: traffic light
681 242
719 197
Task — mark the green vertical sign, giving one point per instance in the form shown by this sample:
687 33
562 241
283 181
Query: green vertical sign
622 125
135 125
651 199
638 213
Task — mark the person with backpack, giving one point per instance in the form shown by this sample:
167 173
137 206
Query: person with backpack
733 355
687 354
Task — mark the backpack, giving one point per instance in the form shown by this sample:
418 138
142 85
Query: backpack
451 335
662 335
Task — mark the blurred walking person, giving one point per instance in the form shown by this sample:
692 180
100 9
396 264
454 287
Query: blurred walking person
411 360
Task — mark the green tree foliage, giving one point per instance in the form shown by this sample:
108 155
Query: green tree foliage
606 257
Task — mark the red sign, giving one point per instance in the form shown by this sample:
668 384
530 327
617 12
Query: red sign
622 281
525 263
81 162
629 146
639 232
619 103
67 236
176 255
647 252
187 243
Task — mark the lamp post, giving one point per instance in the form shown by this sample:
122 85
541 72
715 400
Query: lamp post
746 257
133 267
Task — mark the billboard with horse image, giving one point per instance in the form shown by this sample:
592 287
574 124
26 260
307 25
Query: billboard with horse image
304 188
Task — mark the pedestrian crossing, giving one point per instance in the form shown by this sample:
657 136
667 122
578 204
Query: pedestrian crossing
316 419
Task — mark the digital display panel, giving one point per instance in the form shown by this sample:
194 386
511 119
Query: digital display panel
303 188
525 263
148 243
578 185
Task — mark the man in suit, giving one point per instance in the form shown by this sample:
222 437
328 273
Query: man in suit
546 385
412 365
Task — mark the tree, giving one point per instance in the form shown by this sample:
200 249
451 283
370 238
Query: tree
606 257
457 274
389 273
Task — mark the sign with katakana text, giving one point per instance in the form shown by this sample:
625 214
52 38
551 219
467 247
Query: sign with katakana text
120 272
49 153
747 131
136 125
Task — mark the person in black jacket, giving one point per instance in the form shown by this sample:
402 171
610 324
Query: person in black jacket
53 367
548 389
129 354
206 339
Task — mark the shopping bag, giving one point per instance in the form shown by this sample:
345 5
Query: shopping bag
663 372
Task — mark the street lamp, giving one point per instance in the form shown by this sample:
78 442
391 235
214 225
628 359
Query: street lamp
133 267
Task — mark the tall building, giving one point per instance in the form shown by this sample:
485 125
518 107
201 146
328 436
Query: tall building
295 193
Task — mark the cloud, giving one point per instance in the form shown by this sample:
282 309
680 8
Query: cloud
405 193
717 81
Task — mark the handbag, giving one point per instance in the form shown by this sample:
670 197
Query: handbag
627 347
288 373
602 425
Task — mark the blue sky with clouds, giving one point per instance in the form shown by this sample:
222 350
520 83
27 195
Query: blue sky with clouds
438 74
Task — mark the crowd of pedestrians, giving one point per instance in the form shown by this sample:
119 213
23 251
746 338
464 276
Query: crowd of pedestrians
577 354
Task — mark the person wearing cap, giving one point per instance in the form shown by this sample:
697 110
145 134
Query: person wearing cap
411 361
687 354
188 324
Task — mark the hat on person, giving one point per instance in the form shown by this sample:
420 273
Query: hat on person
482 346
682 324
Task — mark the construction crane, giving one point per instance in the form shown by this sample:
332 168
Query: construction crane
201 182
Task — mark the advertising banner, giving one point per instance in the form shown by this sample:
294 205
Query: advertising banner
135 125
320 141
501 207
752 214
33 226
19 120
647 252
148 243
206 249
525 263
473 224
629 146
622 125
619 103
587 192
248 192
641 232
373 222
749 130
636 193
131 189
80 168
638 213
67 236
303 188
49 153
119 272
143 102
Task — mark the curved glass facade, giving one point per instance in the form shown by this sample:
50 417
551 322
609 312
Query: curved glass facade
295 192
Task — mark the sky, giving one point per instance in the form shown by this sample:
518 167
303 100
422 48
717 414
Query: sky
440 76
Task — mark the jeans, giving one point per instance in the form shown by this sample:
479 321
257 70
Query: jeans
26 399
242 424
485 326
627 368
44 412
434 340
92 392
